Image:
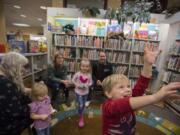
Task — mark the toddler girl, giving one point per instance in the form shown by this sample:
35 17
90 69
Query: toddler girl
82 81
41 109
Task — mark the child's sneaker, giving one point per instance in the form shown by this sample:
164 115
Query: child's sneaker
81 122
87 103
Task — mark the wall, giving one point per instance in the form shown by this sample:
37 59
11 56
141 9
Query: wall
163 37
169 28
25 30
2 24
84 3
57 3
114 4
165 46
70 12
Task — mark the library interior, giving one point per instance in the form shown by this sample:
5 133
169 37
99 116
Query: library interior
98 67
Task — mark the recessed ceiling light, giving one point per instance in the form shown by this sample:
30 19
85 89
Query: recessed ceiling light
43 7
40 19
17 6
21 24
24 16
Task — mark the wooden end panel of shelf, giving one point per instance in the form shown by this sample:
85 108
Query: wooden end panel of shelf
172 106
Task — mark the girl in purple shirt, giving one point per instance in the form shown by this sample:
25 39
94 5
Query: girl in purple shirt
41 109
82 81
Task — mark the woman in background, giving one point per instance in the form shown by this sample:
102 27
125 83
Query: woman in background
57 78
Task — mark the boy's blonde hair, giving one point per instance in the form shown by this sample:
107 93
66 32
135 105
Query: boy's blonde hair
112 80
39 89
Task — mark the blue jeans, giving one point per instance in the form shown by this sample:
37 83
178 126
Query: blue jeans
55 86
45 131
81 102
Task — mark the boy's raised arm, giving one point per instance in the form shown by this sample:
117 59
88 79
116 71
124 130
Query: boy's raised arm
166 91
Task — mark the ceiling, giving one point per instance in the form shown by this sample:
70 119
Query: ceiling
30 8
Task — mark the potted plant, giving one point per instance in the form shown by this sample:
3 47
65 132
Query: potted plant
89 11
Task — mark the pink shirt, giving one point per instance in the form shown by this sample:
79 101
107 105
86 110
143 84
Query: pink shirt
80 79
41 107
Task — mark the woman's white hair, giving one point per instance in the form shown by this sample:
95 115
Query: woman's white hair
11 65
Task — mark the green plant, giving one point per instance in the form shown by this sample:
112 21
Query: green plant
90 11
137 11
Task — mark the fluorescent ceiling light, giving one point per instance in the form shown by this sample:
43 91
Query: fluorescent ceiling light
21 24
24 16
17 6
43 7
40 19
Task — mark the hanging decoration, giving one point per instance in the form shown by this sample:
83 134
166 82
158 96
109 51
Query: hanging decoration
136 12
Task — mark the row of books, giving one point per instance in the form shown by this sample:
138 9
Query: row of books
171 77
114 57
85 41
139 45
175 49
174 63
117 57
121 70
137 59
68 52
118 44
72 65
134 72
65 40
90 54
98 42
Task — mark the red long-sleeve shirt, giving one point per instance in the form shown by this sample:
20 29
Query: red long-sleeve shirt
118 116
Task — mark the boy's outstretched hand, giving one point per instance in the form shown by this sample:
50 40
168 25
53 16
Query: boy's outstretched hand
150 54
169 90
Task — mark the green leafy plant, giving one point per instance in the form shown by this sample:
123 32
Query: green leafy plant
138 11
90 11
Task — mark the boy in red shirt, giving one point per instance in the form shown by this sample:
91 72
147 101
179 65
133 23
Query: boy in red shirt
118 111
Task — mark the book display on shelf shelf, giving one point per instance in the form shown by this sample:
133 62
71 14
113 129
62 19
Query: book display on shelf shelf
172 74
37 64
91 37
16 45
117 51
92 27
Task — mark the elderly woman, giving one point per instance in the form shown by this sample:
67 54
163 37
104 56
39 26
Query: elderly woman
14 110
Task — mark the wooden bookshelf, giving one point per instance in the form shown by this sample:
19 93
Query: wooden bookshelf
173 106
30 75
172 74
146 40
119 53
174 70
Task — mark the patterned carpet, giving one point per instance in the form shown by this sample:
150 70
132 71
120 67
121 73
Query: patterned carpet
65 122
